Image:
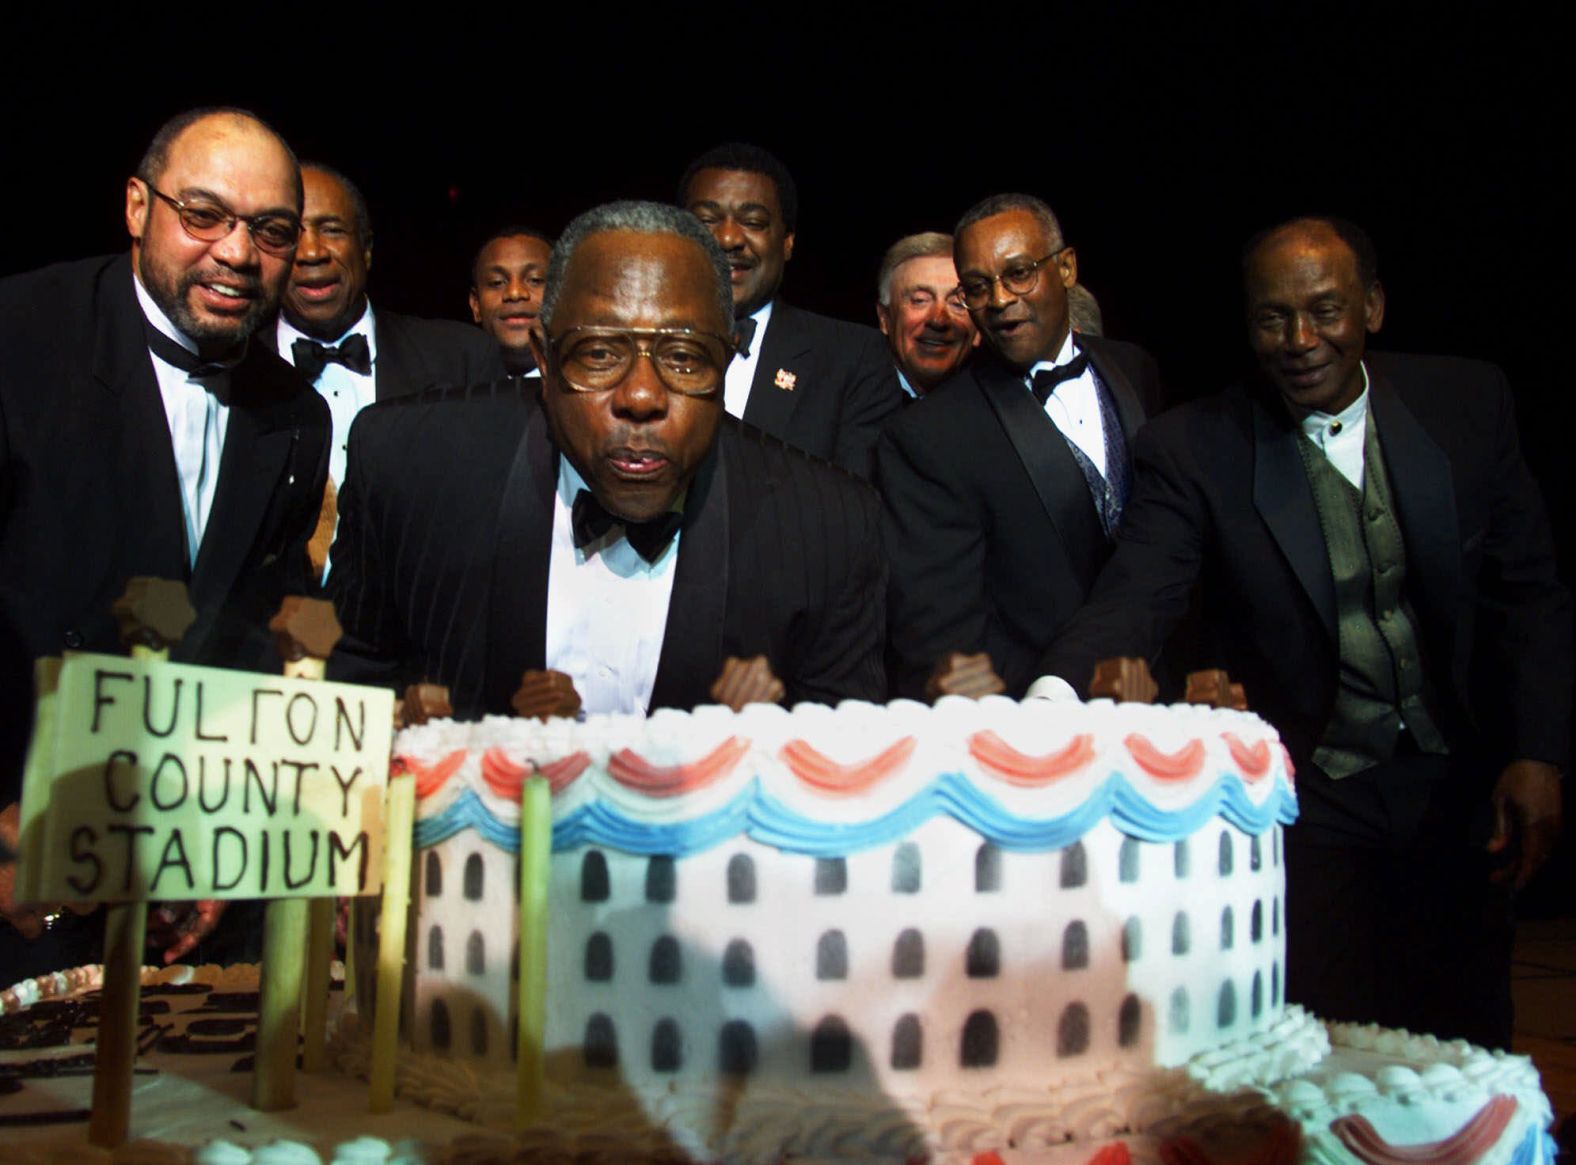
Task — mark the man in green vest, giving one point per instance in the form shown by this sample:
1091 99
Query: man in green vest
1375 566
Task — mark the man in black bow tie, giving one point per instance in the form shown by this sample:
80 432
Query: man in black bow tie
141 433
1003 491
352 354
608 521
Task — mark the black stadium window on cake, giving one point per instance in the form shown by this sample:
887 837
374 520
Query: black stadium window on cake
1178 1014
601 1042
831 876
438 1025
1256 996
666 965
1075 866
907 873
1129 1022
741 878
738 964
1275 916
831 956
434 874
1181 935
1075 947
435 949
479 1032
1225 854
1256 921
1132 940
476 954
1181 859
831 1046
908 955
661 879
474 873
1127 860
983 958
1255 854
737 1053
1072 1031
1227 929
1274 984
979 1040
599 958
1226 1005
667 1052
987 869
593 877
908 1043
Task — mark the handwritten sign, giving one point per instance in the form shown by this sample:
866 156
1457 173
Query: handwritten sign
151 780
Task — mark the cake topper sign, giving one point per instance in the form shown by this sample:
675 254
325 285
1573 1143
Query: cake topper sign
151 779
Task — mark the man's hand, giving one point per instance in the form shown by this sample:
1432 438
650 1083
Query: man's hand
421 703
1125 679
747 681
177 927
958 674
543 694
1526 819
30 920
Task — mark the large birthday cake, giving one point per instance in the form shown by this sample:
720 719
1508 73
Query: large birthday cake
893 933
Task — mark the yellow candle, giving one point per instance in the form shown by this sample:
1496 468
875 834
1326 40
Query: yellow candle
398 822
279 1004
536 847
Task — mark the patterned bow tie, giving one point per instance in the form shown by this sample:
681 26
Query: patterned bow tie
591 521
745 329
311 357
182 357
1046 380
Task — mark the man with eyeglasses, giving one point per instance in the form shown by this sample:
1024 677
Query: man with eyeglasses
141 433
1003 490
921 312
821 384
606 527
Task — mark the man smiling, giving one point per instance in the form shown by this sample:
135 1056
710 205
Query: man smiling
609 521
921 311
508 277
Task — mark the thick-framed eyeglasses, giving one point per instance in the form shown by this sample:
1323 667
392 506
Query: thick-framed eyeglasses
1019 279
209 222
688 362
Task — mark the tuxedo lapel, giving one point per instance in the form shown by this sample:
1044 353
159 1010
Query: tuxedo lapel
1422 484
1056 478
1284 499
517 595
782 350
391 370
692 637
1128 409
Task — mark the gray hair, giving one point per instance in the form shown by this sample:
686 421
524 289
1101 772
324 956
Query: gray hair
1000 203
920 246
642 218
1083 311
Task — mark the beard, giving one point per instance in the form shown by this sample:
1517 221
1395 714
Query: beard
172 292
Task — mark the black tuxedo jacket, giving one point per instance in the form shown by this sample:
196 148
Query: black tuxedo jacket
416 354
441 563
90 496
1221 499
992 537
842 388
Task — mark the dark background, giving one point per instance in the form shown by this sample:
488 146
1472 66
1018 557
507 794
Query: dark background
1162 137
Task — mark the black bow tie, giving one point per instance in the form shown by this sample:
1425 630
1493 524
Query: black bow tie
182 357
745 329
311 357
1047 379
591 522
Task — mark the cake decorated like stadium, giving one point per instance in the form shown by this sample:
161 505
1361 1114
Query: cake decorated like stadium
980 931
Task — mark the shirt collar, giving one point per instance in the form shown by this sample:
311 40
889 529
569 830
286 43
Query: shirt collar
1067 351
1315 422
157 318
289 333
903 383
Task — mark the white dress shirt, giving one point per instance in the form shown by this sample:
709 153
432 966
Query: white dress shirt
741 371
902 382
198 420
1074 407
607 609
1342 434
346 392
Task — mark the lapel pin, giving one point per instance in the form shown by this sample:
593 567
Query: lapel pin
785 380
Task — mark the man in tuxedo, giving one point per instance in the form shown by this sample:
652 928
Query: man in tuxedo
1376 568
142 434
606 521
507 279
352 354
921 312
821 384
1002 492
